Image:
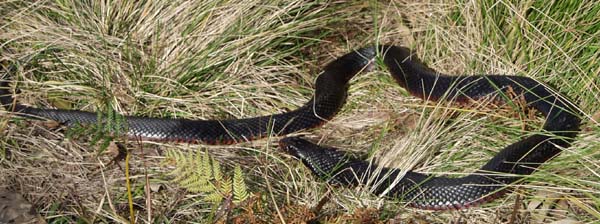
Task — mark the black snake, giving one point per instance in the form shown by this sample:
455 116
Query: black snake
420 190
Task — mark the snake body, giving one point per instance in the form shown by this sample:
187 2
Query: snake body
438 193
420 190
330 94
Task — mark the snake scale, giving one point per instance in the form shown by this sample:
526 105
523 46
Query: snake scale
419 190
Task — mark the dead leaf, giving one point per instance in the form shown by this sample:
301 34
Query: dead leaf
15 209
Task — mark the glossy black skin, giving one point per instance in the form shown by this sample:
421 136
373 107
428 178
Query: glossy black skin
330 95
331 86
438 193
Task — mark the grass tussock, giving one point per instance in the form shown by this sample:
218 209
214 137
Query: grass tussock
233 59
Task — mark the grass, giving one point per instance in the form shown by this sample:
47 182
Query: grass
233 59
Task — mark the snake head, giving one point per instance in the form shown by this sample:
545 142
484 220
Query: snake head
313 154
295 146
325 162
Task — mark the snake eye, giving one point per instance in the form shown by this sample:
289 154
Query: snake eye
294 145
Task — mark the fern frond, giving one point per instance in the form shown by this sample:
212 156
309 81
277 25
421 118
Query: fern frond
225 186
190 181
214 197
183 171
180 162
216 167
240 192
200 173
206 168
206 187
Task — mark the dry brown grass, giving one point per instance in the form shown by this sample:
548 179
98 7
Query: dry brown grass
234 59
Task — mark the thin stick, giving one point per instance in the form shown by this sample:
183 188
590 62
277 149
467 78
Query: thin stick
128 183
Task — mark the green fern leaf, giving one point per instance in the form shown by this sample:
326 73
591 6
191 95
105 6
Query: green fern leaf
214 197
225 186
216 167
240 191
185 170
180 163
190 180
206 166
194 188
200 173
206 187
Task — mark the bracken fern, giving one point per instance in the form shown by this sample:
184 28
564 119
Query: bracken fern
201 173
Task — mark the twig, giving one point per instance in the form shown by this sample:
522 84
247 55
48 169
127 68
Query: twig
128 184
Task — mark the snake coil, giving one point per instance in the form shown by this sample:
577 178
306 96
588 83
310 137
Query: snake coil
420 190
